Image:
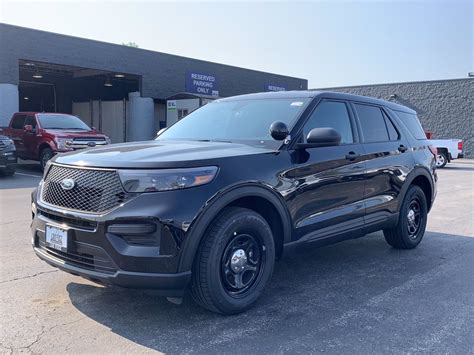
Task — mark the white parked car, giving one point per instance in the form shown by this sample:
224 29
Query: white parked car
448 150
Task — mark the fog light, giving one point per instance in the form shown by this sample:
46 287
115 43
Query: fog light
132 228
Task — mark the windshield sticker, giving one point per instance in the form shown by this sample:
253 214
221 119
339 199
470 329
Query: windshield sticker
297 103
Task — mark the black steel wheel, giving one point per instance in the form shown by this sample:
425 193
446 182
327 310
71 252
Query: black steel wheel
241 263
234 261
413 218
410 229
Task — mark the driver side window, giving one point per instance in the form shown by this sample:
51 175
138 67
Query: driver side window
332 114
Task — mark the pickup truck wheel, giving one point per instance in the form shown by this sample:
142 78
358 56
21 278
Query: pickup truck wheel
234 262
45 155
409 231
441 160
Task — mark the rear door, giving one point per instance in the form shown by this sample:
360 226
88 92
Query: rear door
388 161
16 129
329 185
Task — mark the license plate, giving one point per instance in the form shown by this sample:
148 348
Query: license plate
56 238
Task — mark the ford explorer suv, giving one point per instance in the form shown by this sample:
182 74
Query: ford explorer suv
8 159
39 136
219 196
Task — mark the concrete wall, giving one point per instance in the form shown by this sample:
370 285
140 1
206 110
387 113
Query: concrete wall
162 74
445 107
8 102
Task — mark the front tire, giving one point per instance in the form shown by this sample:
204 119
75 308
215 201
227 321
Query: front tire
409 231
234 262
45 155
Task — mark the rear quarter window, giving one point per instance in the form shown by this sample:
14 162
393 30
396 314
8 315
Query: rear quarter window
18 122
411 122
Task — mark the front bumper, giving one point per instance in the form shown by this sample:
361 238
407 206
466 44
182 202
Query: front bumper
171 285
8 160
99 253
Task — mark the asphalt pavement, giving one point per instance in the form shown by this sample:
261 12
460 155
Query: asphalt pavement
359 296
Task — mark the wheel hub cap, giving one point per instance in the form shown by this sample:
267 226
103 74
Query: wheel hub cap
238 260
414 219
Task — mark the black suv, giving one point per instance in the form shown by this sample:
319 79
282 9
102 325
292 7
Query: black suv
216 198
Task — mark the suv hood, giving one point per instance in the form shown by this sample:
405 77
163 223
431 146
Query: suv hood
157 154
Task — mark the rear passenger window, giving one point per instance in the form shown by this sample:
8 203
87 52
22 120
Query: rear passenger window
18 122
412 123
331 114
372 123
392 131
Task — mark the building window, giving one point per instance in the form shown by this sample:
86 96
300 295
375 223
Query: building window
182 113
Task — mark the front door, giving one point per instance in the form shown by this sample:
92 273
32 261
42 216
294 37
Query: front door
29 138
329 181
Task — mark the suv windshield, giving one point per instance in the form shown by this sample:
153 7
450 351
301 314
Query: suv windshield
244 121
59 121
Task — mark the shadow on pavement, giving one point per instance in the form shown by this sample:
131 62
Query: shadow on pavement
345 297
31 167
28 174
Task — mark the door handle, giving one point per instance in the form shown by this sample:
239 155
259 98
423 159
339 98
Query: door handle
402 148
352 156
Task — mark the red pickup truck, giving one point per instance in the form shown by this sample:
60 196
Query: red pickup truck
40 135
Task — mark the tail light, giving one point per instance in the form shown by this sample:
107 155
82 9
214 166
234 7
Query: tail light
433 150
460 145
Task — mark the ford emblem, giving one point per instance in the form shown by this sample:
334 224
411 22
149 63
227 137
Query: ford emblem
91 144
67 184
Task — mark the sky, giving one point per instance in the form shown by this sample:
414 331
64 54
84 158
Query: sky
330 43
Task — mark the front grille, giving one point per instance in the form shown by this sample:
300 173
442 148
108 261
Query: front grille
84 142
94 191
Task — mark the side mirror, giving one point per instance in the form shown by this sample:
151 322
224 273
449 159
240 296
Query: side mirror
321 137
28 128
94 129
279 130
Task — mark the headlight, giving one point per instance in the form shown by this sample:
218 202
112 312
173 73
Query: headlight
46 168
63 143
107 140
166 179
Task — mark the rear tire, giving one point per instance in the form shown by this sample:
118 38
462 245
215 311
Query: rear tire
45 155
441 160
409 231
234 262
